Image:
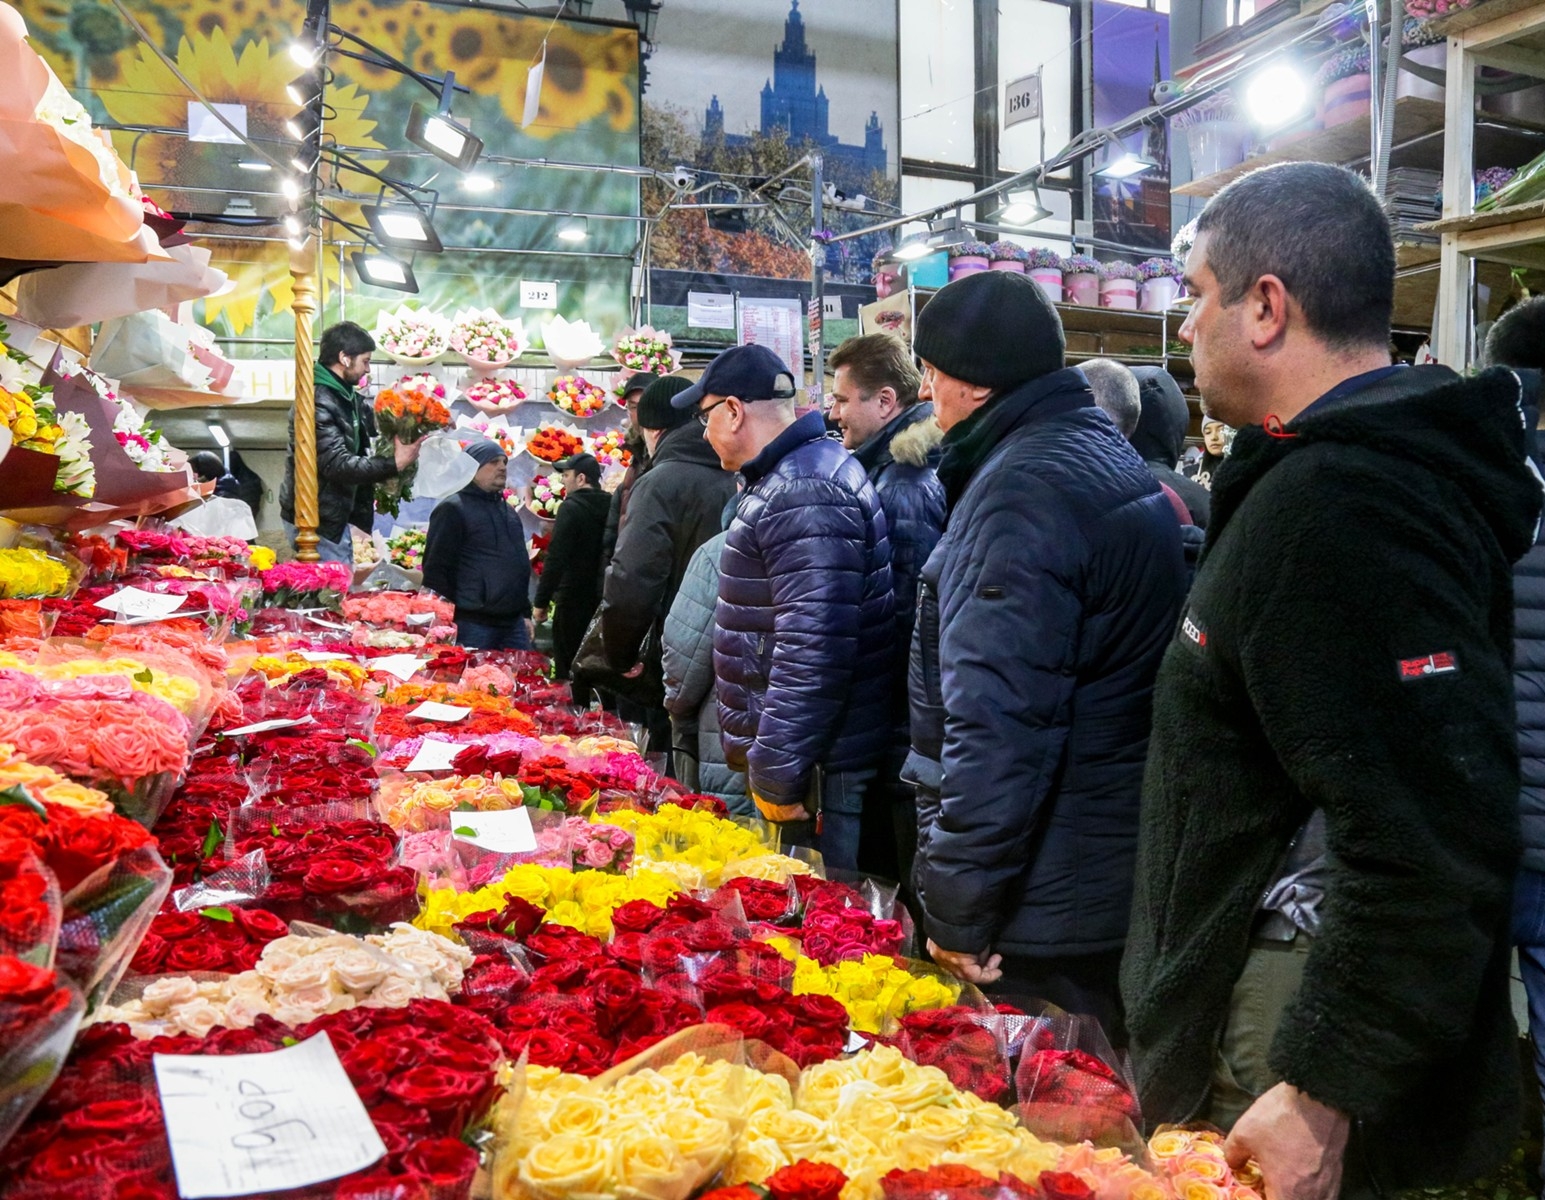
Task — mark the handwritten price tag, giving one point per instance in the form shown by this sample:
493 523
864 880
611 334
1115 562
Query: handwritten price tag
133 602
270 726
403 666
507 832
248 1123
432 711
435 756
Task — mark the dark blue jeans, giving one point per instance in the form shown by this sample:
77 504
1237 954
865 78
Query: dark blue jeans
509 635
842 802
1529 935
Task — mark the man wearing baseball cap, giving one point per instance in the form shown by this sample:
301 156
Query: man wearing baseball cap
805 624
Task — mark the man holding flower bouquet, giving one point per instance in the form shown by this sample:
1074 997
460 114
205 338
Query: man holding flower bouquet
347 467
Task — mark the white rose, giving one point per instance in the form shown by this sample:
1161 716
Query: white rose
395 991
359 970
249 986
197 1017
242 1013
165 993
306 973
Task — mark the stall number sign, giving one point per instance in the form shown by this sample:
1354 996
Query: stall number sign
1022 100
538 295
243 1124
831 307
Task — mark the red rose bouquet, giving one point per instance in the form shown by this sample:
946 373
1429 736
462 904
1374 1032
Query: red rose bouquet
39 1014
218 938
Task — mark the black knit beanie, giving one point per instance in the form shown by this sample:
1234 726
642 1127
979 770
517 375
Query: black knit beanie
994 329
654 406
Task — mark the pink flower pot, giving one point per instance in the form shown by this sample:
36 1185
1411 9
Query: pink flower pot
967 264
1008 264
1118 293
1082 287
1158 295
1346 100
1050 281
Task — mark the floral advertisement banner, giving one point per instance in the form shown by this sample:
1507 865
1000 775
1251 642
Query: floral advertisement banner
235 53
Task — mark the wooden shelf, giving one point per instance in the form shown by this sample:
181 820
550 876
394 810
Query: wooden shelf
1480 14
1349 140
1514 234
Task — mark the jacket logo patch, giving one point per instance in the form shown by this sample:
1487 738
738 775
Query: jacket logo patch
991 591
1411 669
1194 631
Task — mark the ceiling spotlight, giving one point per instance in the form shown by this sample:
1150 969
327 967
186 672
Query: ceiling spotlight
574 229
306 164
911 250
1277 96
442 136
292 226
1125 166
302 125
477 183
402 228
1022 208
254 164
217 432
290 188
299 243
302 90
380 270
303 55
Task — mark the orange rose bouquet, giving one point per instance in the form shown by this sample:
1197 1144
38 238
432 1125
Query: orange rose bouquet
552 442
406 413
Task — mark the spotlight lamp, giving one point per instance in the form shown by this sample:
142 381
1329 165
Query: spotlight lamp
1125 165
1022 208
442 135
292 226
303 89
302 126
291 189
303 55
574 229
1277 96
402 228
911 250
383 271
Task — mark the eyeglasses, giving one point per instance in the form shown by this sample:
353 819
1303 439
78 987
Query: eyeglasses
703 413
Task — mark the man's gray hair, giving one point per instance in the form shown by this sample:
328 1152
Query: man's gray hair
1116 391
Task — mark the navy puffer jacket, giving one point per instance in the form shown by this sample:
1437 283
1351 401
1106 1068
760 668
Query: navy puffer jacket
1042 617
806 617
1529 682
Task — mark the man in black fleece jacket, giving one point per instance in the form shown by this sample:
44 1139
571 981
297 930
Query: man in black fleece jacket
1344 656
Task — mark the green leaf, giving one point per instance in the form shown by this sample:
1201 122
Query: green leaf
464 831
18 794
212 838
365 746
217 913
465 806
289 1041
145 676
273 828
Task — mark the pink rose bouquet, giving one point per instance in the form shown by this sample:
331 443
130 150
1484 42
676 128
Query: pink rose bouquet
306 585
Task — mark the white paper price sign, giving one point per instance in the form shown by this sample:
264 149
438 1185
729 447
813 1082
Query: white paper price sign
431 711
403 666
507 832
538 295
421 618
435 756
248 1123
270 726
330 625
320 656
132 602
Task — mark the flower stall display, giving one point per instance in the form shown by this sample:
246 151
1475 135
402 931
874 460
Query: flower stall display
645 349
1160 283
577 396
1346 88
1490 180
552 443
1185 238
969 258
1216 133
1045 267
26 573
570 344
406 548
610 448
493 396
306 585
485 339
1081 280
415 407
412 337
543 496
496 429
1118 285
1008 256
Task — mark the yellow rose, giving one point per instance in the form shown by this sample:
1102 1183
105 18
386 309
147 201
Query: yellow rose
1032 1158
938 1127
1201 1189
755 1159
872 1117
798 1134
906 1153
981 1147
566 1164
650 1165
705 1141
261 558
883 1065
765 1092
579 1114
1170 1143
820 1087
85 800
928 1086
642 1092
1204 1166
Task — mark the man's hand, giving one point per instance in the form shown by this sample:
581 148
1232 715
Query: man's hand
406 453
1297 1142
530 631
973 968
540 615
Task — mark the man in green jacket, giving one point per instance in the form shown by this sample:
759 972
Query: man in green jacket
347 466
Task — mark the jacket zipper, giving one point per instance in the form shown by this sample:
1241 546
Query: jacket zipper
928 615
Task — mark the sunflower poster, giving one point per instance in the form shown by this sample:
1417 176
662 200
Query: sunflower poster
234 53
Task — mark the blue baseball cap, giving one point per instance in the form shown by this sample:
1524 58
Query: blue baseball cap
745 372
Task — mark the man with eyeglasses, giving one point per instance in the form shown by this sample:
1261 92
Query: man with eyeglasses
805 625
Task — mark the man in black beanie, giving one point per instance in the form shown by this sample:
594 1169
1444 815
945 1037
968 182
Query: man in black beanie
676 507
1043 614
571 576
475 556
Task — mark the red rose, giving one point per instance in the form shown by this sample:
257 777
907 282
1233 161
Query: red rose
445 1162
335 876
150 956
1064 1185
752 1022
741 1191
378 1185
21 983
439 1089
108 1116
198 955
260 925
806 1180
636 916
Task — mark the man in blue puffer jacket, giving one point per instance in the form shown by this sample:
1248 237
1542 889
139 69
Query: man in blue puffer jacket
1042 617
806 615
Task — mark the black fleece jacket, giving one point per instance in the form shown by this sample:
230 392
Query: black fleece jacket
1347 647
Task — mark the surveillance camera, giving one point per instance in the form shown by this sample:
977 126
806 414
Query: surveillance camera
682 177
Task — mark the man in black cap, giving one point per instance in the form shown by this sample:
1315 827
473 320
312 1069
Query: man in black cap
570 583
633 437
674 509
475 556
1043 614
805 624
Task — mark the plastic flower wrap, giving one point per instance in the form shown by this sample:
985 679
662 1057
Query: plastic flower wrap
1045 259
577 396
140 440
27 573
571 343
1081 264
422 384
1120 270
306 585
1159 268
406 414
482 336
645 349
410 335
552 443
610 448
545 494
494 396
406 547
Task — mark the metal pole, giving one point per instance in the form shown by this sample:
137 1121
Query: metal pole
303 276
817 282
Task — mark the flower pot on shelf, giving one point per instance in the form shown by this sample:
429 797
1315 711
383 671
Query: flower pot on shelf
1007 264
1346 100
967 264
1159 295
1216 145
1082 287
1118 293
1049 279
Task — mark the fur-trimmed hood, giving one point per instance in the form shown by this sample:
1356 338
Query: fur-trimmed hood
919 442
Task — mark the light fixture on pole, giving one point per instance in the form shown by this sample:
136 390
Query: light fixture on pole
1023 208
574 229
402 228
440 134
383 271
303 126
644 14
478 184
912 249
292 226
1277 96
1125 165
303 55
291 190
304 89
